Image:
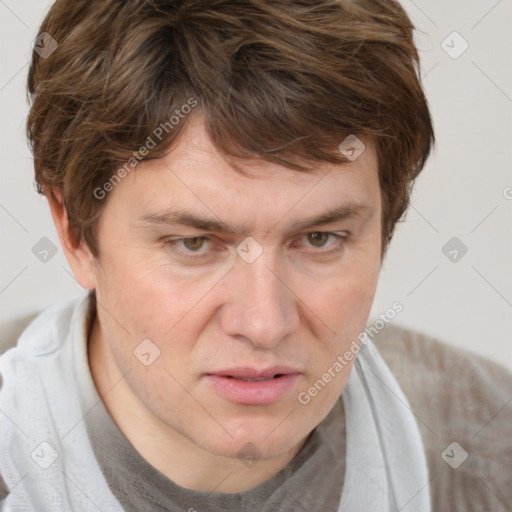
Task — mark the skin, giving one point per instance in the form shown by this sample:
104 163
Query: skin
296 304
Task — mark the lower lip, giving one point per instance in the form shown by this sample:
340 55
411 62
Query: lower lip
262 392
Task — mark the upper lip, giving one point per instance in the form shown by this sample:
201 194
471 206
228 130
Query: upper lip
246 372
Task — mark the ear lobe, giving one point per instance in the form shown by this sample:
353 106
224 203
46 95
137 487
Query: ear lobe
77 252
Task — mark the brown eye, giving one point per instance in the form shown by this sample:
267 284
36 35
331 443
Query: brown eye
192 249
194 243
318 239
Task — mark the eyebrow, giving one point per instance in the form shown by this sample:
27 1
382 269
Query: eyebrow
186 218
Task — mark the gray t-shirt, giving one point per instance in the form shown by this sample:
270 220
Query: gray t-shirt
312 480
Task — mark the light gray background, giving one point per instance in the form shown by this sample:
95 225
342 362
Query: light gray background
465 191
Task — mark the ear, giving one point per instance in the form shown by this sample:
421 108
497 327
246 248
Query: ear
77 252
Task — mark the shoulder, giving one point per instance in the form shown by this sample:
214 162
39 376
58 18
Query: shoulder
42 346
463 405
43 332
414 357
35 373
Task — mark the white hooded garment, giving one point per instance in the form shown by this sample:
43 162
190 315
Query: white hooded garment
48 464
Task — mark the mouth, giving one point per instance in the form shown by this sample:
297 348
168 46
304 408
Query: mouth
249 373
251 386
257 379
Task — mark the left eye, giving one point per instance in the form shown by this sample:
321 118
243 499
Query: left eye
319 239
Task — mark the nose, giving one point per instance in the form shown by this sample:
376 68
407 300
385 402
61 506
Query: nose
261 305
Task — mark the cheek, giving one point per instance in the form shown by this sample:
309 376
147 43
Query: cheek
153 302
343 305
146 299
344 302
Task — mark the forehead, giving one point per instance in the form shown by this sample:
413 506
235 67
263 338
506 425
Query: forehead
195 178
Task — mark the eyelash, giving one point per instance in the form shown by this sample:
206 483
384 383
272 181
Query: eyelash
340 241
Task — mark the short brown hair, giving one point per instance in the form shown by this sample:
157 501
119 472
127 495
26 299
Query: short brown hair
281 81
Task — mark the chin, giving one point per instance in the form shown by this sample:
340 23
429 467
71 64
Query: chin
255 439
252 449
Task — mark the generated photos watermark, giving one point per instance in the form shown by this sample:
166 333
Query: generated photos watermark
151 143
343 360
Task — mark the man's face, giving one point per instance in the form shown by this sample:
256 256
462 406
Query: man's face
274 295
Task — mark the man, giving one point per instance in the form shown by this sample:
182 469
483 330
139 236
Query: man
225 178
